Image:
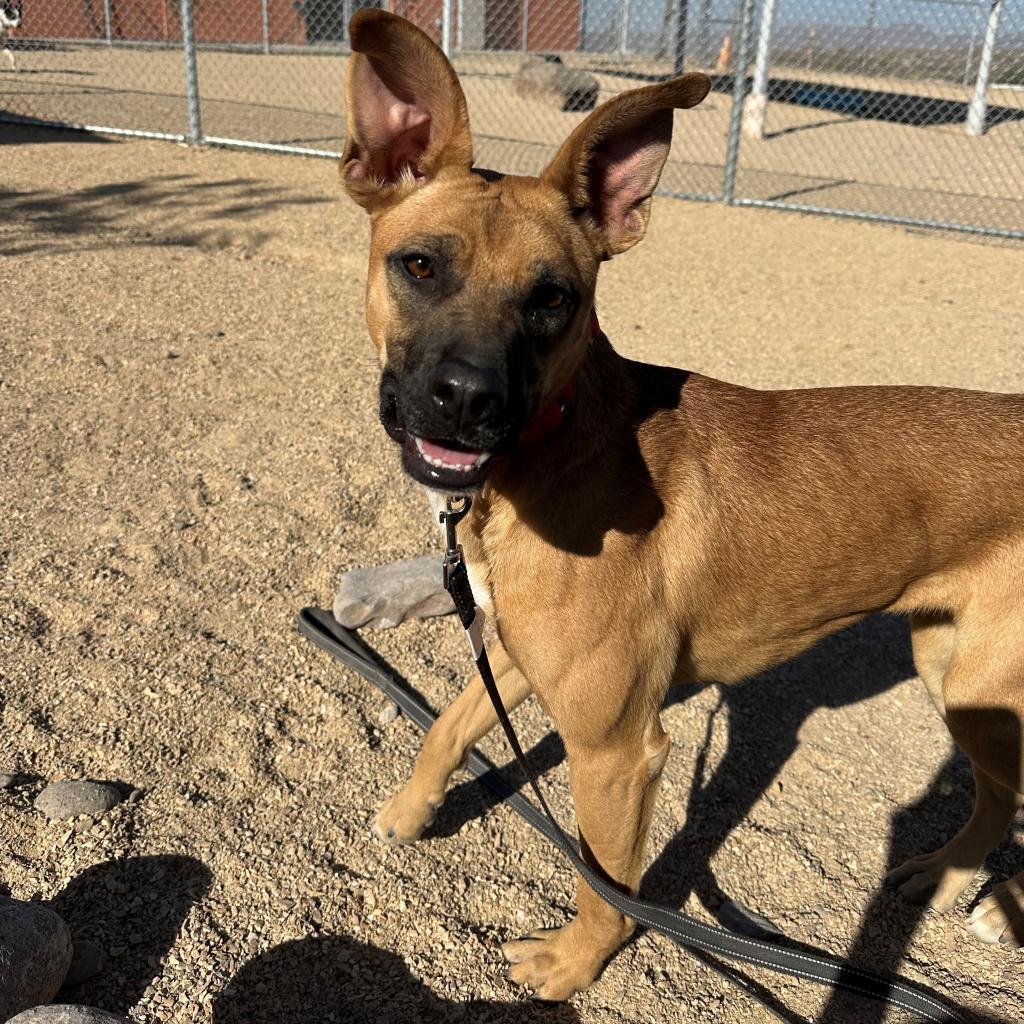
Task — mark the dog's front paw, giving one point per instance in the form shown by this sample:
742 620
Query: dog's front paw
999 917
553 963
404 817
935 879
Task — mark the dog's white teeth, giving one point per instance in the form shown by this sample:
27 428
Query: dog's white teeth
440 463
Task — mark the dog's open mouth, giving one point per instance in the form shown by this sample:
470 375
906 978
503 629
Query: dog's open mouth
443 466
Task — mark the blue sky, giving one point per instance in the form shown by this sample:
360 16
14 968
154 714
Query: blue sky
603 17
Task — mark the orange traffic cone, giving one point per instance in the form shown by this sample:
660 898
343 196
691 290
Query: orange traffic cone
724 55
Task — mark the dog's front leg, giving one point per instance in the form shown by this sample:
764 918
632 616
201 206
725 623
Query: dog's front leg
445 749
614 784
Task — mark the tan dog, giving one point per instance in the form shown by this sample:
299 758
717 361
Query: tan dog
667 527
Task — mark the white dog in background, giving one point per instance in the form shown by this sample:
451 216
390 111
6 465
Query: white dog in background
10 18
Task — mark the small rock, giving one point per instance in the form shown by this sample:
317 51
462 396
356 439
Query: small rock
6 781
66 1015
386 595
35 953
183 520
76 796
87 960
388 713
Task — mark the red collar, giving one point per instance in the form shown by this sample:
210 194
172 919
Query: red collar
552 414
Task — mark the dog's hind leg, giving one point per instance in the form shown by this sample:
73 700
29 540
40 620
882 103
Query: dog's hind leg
933 639
982 701
445 749
988 722
939 878
9 54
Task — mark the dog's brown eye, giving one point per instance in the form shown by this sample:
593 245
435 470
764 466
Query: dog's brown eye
419 267
551 297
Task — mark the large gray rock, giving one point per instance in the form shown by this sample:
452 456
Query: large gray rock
544 77
66 1015
35 953
76 796
386 595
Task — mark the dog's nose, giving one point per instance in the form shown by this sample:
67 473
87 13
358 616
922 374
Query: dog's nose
465 395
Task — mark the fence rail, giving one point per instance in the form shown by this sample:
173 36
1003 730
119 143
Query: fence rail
911 111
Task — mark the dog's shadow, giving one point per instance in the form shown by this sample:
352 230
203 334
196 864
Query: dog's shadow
338 979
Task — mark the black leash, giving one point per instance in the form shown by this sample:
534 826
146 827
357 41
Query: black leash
686 931
348 647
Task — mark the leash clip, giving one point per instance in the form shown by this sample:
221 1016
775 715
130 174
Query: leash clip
456 575
450 519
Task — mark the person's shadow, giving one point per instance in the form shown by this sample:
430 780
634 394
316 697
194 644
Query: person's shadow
889 922
338 980
765 715
133 909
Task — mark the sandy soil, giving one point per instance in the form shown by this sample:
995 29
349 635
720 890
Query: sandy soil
190 454
808 156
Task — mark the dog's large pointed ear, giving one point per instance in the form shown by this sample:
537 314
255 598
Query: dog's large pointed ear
407 116
610 165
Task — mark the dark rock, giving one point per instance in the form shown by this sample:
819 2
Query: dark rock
76 796
87 960
35 953
741 920
66 1015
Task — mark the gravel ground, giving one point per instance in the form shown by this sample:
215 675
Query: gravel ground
190 455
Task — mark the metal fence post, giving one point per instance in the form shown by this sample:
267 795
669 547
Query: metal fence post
679 48
265 12
979 102
107 32
188 42
623 27
870 43
757 101
974 42
446 27
739 92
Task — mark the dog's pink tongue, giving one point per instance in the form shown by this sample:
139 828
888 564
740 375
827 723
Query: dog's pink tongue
448 456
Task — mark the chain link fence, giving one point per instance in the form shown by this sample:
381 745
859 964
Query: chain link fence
903 110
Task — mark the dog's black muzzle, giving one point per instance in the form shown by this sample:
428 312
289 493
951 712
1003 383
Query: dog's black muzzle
451 415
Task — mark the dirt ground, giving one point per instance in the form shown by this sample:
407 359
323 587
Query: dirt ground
808 155
190 454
